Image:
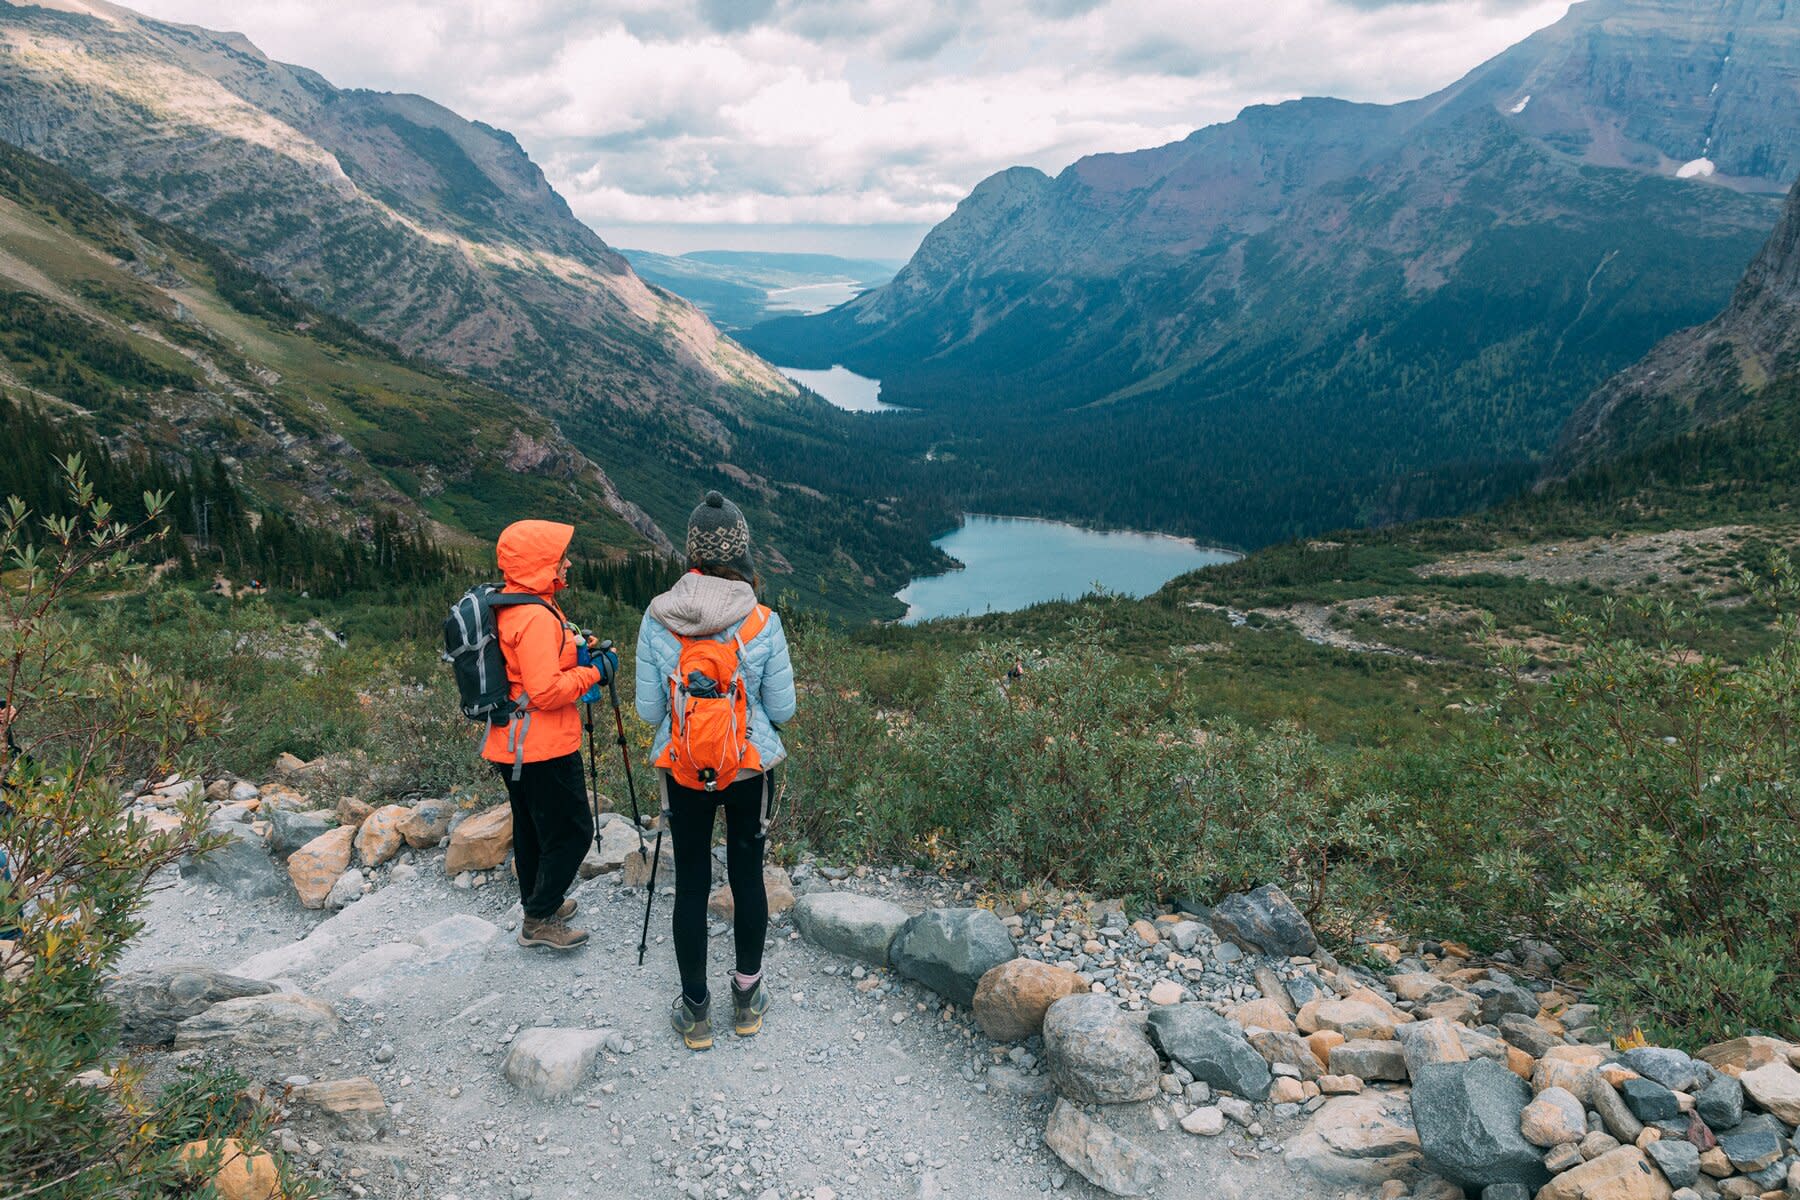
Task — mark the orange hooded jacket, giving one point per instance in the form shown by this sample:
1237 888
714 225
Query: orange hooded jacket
539 649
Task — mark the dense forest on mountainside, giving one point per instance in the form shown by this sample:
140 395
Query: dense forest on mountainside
1323 313
440 236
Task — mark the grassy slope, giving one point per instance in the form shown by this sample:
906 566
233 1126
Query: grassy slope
275 384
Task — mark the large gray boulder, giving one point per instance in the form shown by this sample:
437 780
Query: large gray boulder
854 926
1468 1117
950 949
1212 1048
1110 1161
288 831
1264 921
241 866
278 1021
1097 1054
152 1003
550 1063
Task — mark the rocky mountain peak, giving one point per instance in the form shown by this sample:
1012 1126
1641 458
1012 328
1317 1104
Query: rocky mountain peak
1701 90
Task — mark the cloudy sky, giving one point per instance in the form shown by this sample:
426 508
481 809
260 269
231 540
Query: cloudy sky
852 125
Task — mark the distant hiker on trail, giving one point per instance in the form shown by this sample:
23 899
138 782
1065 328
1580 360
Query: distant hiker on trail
713 676
549 667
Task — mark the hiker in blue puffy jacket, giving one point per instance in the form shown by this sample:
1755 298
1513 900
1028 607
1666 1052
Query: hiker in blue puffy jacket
716 600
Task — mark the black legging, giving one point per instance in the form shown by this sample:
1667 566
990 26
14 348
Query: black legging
552 829
691 829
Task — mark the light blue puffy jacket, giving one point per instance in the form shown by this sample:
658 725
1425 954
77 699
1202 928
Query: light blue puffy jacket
705 606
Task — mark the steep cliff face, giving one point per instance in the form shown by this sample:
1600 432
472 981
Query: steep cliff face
1319 299
1705 375
433 231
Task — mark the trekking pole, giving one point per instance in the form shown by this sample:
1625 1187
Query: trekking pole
593 775
637 819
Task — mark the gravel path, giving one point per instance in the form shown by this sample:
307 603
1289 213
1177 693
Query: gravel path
846 1093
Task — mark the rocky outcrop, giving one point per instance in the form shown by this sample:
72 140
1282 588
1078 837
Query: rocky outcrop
1704 376
152 1004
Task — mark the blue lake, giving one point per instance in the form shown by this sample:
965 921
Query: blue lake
843 388
1013 562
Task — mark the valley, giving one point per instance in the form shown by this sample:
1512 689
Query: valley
1410 817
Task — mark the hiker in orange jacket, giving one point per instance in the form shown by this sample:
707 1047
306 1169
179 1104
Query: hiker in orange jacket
547 668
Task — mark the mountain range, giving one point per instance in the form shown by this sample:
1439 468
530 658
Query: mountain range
1325 313
439 237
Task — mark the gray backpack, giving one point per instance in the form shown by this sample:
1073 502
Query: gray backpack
472 648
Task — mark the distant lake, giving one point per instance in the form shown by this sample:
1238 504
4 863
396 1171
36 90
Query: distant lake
809 298
1014 562
843 388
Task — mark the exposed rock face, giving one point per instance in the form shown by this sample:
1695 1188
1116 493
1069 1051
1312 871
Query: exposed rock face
153 1003
427 195
1702 376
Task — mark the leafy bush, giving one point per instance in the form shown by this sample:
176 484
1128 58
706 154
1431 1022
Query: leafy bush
79 864
1081 772
1641 809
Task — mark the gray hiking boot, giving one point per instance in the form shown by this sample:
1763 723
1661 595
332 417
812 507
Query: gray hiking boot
693 1024
747 1008
553 933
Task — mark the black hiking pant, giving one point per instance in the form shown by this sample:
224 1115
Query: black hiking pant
552 829
690 830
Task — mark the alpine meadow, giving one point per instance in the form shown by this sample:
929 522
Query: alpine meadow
835 602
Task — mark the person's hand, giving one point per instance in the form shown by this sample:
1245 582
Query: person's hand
589 653
592 695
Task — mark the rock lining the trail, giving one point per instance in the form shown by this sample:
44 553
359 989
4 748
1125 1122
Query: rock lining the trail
419 991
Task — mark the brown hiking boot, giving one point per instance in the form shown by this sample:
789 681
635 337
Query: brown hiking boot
566 911
552 933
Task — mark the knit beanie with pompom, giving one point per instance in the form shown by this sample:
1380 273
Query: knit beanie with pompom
718 537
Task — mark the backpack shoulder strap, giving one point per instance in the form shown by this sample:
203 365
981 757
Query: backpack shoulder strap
512 599
755 623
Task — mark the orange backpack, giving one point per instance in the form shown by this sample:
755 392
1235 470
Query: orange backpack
709 710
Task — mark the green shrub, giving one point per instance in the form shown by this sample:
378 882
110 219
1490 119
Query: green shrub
1083 772
1642 810
84 711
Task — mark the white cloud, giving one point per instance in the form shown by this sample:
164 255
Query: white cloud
779 112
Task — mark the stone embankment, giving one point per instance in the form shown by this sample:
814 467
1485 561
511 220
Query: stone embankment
920 1045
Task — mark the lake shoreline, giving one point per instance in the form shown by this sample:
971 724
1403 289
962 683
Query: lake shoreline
1006 563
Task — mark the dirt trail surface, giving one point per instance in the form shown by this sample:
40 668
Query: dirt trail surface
849 1092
